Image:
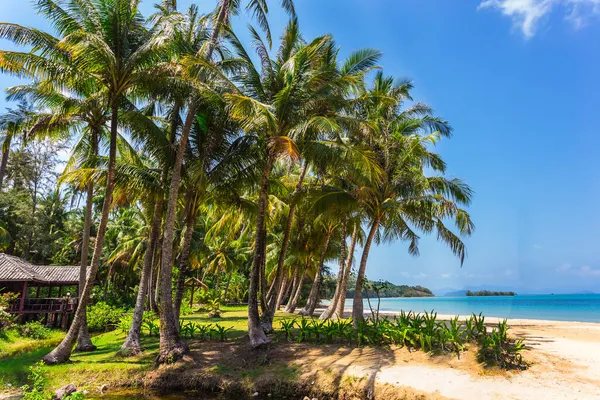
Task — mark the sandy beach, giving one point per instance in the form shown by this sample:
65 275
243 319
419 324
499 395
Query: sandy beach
564 360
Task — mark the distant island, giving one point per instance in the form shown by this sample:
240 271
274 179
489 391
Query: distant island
488 293
388 289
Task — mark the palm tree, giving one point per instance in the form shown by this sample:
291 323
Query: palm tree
68 113
106 44
406 198
12 123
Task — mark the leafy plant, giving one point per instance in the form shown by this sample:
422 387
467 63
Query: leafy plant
288 325
7 319
37 387
498 349
214 308
151 327
125 323
33 330
102 317
303 330
204 331
220 332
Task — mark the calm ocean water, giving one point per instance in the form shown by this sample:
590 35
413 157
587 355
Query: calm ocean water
563 307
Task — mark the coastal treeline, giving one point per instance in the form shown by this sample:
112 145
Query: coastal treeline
489 293
386 289
249 163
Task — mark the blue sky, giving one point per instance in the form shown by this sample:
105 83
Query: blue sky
519 82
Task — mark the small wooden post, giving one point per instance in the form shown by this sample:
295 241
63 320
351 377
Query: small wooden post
59 291
37 292
23 295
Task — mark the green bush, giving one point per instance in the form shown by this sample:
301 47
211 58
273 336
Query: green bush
37 389
33 330
186 309
102 317
6 319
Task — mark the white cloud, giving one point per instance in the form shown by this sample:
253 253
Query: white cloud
446 276
583 271
420 275
538 247
526 14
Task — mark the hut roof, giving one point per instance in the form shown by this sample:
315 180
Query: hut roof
15 269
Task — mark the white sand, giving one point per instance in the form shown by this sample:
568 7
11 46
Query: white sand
565 357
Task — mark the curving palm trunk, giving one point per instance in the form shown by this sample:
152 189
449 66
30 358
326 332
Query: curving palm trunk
185 254
292 288
171 348
357 303
329 311
276 285
287 283
224 298
339 311
62 352
84 341
4 162
295 295
313 297
132 344
255 330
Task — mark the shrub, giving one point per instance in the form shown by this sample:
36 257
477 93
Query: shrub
102 317
125 322
186 309
500 350
37 389
6 319
33 330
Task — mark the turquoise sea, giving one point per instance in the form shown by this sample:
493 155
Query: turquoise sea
560 307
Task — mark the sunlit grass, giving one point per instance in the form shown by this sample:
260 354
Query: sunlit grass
102 366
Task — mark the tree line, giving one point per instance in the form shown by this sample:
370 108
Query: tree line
489 293
195 154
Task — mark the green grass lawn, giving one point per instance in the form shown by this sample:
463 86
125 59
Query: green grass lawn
88 370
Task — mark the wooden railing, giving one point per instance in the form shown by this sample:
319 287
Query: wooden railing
43 306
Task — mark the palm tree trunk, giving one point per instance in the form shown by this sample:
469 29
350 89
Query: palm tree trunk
271 297
287 282
185 253
171 349
295 295
222 20
357 303
156 282
227 286
340 277
84 341
62 352
4 162
289 292
255 330
132 344
339 312
313 297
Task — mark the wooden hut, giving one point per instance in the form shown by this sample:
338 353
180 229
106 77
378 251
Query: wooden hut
44 290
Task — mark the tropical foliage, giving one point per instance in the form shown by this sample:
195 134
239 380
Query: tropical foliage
200 163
